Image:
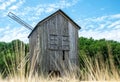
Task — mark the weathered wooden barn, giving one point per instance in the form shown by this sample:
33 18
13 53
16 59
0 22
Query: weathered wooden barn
53 43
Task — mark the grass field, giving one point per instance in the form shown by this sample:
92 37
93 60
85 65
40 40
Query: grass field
93 70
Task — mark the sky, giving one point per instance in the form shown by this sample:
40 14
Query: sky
97 18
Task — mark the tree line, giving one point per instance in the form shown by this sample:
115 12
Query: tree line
102 50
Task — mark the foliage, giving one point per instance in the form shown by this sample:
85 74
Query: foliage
11 56
100 49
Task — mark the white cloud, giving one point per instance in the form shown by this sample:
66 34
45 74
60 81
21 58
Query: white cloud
9 34
115 16
107 27
109 35
117 27
31 14
114 24
13 7
48 8
1 1
10 6
5 4
1 29
17 5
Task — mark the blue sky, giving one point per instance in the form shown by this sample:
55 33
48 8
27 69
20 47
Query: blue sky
97 18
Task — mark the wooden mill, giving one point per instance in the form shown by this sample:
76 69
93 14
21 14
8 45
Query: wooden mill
53 44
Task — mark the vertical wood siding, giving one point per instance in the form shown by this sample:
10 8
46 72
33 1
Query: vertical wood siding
73 33
56 40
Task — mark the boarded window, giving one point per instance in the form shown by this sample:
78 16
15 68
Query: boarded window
53 42
65 43
58 42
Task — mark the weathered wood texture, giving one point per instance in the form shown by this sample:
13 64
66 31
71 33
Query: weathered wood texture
54 43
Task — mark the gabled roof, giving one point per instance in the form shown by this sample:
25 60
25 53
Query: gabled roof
62 13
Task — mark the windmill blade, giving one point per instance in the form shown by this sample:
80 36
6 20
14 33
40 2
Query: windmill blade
20 21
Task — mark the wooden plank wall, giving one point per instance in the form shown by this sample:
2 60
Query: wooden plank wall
73 33
66 33
34 51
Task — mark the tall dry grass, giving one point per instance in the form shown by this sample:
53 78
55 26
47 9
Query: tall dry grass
94 70
98 69
15 64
